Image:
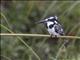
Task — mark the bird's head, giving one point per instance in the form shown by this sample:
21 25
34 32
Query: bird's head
50 19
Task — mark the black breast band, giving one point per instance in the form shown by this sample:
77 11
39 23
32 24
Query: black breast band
51 26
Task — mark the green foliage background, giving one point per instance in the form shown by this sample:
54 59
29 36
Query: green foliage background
20 17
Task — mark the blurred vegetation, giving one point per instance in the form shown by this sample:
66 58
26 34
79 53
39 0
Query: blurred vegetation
20 17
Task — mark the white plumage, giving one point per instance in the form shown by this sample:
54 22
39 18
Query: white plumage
52 30
53 26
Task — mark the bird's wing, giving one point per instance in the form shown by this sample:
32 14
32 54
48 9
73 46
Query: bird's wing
59 29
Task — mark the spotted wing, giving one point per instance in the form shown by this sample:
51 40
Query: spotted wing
59 29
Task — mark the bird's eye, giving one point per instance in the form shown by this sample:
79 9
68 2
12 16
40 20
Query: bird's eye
51 20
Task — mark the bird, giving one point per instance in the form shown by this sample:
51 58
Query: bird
53 26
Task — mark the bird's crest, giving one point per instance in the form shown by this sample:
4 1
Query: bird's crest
52 18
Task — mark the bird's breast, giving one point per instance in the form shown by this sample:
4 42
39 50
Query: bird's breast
52 32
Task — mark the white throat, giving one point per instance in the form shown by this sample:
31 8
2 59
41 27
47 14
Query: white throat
49 23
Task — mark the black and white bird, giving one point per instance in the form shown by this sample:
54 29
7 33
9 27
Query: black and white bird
53 26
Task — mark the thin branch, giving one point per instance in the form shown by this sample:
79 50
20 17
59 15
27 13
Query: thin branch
37 35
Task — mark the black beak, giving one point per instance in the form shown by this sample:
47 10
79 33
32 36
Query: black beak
42 21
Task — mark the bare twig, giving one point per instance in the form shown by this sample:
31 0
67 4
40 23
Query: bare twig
37 35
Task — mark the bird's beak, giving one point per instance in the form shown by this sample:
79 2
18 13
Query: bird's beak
42 21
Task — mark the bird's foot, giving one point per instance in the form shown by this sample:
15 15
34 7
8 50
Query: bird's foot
51 36
54 36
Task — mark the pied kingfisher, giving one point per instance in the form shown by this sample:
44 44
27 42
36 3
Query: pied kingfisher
53 26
